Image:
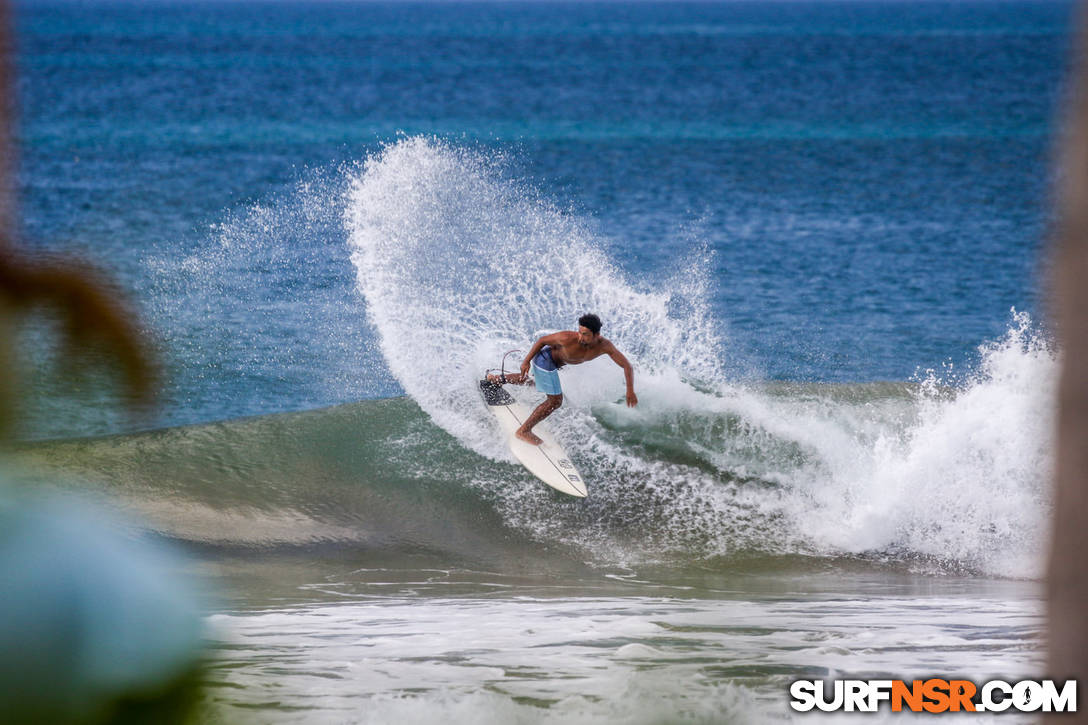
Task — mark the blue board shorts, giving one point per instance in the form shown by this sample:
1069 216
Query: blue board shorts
545 373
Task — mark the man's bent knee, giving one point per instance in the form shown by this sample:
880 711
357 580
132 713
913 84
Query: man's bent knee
554 401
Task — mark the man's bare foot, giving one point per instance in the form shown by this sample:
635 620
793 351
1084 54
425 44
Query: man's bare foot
528 437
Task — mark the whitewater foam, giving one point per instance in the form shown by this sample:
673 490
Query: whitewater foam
520 659
969 481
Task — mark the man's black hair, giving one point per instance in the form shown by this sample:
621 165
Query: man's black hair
591 323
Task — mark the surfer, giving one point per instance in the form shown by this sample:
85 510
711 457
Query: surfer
552 352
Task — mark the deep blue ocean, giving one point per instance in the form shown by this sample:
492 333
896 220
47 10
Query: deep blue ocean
817 229
871 180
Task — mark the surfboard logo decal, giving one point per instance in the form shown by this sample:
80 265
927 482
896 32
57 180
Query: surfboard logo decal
565 463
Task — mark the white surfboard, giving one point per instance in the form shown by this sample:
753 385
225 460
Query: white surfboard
548 461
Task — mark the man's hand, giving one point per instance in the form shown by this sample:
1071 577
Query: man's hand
632 399
524 368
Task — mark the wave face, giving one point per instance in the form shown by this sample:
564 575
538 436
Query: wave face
933 478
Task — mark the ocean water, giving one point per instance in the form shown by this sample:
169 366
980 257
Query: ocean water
817 229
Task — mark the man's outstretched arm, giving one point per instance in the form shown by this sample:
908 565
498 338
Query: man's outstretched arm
628 374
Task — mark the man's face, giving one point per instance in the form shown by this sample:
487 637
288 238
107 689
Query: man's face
586 337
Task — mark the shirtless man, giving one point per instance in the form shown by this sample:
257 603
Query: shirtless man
552 352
